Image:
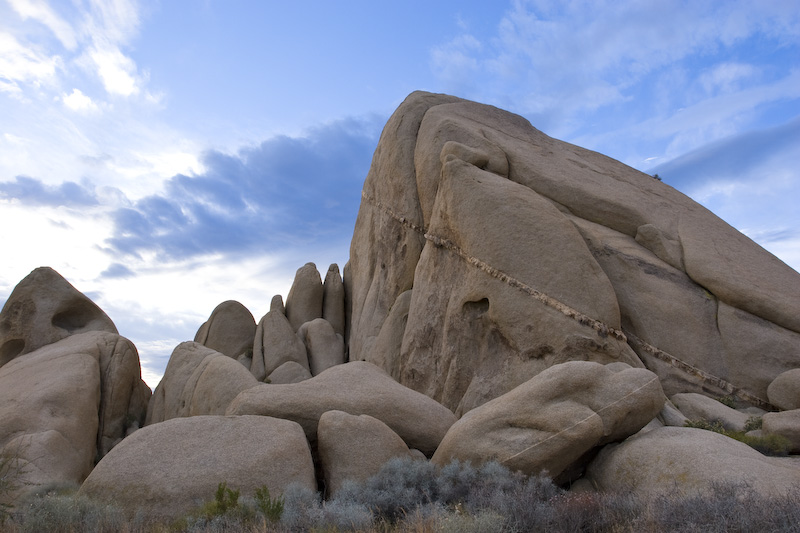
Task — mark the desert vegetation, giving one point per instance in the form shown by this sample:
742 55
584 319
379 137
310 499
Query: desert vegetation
415 496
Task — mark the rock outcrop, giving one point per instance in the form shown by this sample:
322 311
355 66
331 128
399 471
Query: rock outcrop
44 308
172 467
689 460
68 403
353 388
523 252
229 330
550 422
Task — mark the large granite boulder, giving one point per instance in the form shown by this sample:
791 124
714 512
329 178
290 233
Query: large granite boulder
325 347
170 469
230 330
197 381
276 343
304 302
354 448
333 299
785 424
44 308
784 391
689 461
699 407
357 388
65 404
550 422
523 252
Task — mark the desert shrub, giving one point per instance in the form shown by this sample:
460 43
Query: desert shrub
728 401
62 513
271 508
753 423
771 444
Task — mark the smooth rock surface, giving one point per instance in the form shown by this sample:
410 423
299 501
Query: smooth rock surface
171 468
324 346
354 447
276 343
357 388
229 330
699 407
197 381
333 299
288 372
786 424
690 461
44 308
304 302
67 403
784 391
548 423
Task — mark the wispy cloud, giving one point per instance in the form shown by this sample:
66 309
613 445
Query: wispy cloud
31 191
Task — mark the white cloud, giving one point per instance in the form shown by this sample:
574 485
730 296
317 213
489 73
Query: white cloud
77 101
116 70
725 77
24 64
41 12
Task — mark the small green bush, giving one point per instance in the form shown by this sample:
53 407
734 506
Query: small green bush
772 444
753 423
730 401
271 508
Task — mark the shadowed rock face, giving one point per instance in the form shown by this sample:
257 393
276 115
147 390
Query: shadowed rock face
42 309
521 252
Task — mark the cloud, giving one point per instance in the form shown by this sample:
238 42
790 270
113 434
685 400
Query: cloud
43 13
117 270
33 192
77 101
24 64
285 192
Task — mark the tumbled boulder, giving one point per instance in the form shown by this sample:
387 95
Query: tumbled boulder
357 388
784 391
478 213
688 460
288 372
325 347
304 302
700 407
229 330
197 381
548 423
169 469
786 424
68 403
276 343
355 448
44 308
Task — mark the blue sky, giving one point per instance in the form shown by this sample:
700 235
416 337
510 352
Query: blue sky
167 156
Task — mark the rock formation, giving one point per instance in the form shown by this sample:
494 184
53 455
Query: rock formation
508 296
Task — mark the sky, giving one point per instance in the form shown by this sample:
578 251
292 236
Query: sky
166 156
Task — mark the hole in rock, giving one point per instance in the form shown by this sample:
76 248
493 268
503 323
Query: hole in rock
11 349
75 317
476 308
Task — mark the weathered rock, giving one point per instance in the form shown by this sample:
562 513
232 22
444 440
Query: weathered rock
67 403
170 468
786 424
355 448
386 349
275 344
548 423
479 212
333 299
688 460
353 388
229 330
197 381
324 346
784 391
304 302
671 416
277 304
288 372
698 407
44 308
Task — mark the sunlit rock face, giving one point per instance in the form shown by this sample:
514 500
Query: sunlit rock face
521 251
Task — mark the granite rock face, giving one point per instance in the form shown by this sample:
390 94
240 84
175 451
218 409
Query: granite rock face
550 422
171 467
68 403
524 252
44 308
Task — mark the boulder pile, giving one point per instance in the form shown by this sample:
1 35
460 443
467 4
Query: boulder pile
509 297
